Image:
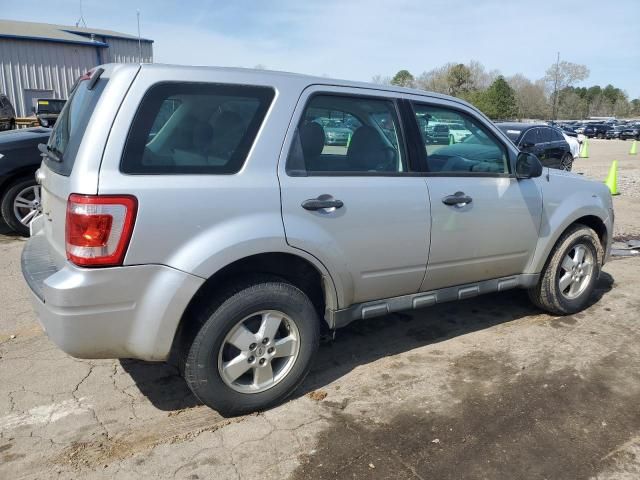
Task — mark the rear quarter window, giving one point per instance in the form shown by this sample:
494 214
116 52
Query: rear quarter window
195 128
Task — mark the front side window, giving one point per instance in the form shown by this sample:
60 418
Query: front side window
347 134
456 143
193 128
545 135
530 137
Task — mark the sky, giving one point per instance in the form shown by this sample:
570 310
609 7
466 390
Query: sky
358 39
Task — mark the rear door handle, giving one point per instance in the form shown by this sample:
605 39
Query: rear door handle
458 199
323 202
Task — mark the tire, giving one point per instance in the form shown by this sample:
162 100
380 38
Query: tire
566 162
248 304
7 205
548 293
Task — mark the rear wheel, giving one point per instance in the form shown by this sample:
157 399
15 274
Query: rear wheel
571 272
21 204
253 346
566 162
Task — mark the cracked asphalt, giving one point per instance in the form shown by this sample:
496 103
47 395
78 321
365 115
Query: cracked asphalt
485 388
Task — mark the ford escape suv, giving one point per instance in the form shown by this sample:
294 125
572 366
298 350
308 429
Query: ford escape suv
202 216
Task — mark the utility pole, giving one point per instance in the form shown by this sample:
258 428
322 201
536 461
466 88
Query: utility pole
555 89
139 41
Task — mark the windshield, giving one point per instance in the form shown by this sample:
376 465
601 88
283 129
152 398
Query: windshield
71 124
50 106
511 132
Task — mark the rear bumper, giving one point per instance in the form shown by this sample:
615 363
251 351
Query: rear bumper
119 312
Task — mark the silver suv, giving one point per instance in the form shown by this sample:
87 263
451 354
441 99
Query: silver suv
201 215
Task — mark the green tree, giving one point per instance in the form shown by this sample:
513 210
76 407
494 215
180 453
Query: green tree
498 101
403 79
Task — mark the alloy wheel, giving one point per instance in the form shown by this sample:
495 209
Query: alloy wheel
27 204
259 351
576 270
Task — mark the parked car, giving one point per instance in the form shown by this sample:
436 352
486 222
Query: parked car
574 145
630 133
47 110
228 240
567 130
19 160
614 132
547 143
7 114
337 134
598 130
437 134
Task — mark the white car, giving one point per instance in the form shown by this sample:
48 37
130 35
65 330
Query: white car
574 145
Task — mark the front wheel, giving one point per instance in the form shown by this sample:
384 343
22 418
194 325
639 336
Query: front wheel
566 162
571 272
254 349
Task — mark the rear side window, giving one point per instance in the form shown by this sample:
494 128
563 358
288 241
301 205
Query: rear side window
71 124
194 128
344 135
557 135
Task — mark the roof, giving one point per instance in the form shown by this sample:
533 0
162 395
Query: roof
519 125
308 79
59 33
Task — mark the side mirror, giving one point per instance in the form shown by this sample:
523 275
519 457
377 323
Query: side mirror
528 166
527 145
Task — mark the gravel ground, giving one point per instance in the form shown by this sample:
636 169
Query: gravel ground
601 154
485 388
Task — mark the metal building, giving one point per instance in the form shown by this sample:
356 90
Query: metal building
39 60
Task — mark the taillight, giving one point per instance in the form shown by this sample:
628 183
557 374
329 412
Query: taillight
98 228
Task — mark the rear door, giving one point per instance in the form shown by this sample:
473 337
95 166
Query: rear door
484 221
75 148
358 208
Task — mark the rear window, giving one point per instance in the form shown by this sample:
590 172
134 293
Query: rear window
194 128
71 124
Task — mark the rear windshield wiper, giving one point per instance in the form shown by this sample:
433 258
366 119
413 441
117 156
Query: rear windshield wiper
51 153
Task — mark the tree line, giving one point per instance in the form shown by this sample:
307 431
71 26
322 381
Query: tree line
554 96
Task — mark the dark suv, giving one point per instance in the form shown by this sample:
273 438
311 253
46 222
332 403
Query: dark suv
596 130
7 114
47 110
547 143
631 132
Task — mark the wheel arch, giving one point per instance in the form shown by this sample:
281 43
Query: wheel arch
306 275
591 220
18 174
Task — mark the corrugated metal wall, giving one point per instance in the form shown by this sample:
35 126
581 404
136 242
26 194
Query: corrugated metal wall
27 64
42 65
126 51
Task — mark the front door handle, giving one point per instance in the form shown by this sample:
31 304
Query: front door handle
458 199
323 202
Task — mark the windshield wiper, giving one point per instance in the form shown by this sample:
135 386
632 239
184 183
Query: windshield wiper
52 153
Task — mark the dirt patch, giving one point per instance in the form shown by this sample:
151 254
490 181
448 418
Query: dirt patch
317 395
508 424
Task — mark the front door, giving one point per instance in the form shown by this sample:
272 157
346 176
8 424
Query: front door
348 197
485 222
